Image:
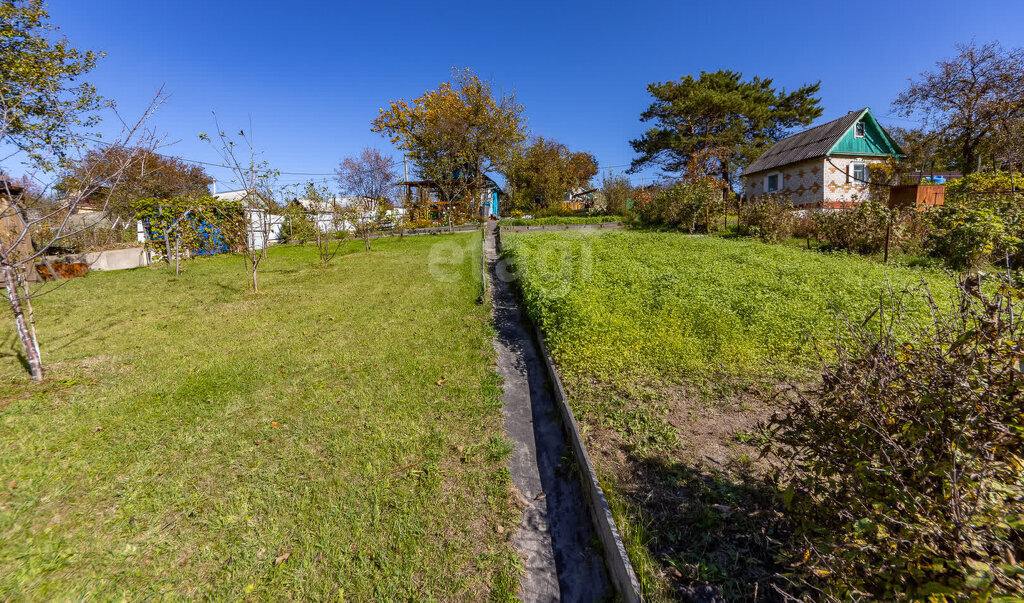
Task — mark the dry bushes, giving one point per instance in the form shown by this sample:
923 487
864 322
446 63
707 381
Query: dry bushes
769 218
905 463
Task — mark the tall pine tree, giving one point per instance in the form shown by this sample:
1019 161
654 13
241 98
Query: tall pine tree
715 124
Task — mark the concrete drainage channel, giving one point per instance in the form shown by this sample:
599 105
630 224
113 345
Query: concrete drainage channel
565 513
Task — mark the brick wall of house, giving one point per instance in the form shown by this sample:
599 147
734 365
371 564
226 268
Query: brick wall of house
801 181
839 189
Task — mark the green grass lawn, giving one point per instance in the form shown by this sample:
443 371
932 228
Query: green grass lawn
337 435
672 350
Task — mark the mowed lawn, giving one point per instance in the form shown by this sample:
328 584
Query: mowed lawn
337 435
674 350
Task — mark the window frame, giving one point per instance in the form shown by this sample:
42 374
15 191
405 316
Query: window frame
866 179
860 129
767 182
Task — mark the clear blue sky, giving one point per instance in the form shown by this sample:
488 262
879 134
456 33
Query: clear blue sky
313 74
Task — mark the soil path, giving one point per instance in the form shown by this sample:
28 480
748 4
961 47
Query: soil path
556 537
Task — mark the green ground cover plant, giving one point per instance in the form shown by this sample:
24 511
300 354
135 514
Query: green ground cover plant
560 220
336 436
673 350
625 306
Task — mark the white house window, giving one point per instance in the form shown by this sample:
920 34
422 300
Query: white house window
773 182
860 174
858 129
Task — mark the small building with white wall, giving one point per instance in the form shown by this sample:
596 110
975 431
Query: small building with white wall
265 226
827 166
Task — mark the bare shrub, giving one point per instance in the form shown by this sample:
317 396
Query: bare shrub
769 218
905 475
860 229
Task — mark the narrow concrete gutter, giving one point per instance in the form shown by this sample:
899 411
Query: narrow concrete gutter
617 567
616 558
556 538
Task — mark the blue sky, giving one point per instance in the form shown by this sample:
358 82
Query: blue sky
313 74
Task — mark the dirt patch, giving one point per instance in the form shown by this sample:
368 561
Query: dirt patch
685 460
717 431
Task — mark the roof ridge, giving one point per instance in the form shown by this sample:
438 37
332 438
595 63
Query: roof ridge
821 125
805 145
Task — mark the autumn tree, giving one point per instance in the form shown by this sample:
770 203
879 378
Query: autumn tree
150 176
718 115
923 149
369 179
455 134
545 172
967 97
45 110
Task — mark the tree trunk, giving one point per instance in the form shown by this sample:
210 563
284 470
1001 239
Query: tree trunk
255 281
35 364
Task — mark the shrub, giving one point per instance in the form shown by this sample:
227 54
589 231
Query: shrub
860 229
971 230
691 205
769 217
298 226
804 225
201 224
557 220
905 463
555 210
982 182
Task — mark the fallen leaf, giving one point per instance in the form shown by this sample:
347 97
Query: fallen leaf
98 429
274 424
723 509
282 558
257 442
12 485
500 530
440 382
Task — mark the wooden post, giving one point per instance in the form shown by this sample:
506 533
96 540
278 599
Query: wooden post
725 210
888 231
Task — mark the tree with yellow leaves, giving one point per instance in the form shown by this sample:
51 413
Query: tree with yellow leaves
454 135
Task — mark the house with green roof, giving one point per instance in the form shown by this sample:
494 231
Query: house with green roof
825 166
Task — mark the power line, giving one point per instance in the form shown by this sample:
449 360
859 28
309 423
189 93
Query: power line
200 162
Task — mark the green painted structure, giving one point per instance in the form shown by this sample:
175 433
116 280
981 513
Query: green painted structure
874 141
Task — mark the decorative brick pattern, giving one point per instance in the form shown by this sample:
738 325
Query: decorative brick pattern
816 182
840 189
801 181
